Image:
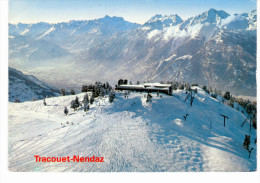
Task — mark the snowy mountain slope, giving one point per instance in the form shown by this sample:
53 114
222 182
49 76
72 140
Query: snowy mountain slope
27 87
242 21
130 134
227 61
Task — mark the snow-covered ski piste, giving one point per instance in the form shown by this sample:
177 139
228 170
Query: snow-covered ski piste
132 135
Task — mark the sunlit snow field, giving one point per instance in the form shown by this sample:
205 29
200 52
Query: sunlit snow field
131 134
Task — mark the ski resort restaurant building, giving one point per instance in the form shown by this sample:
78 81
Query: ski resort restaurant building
148 87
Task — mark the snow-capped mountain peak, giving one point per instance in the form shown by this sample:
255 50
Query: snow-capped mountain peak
173 17
155 18
240 22
220 13
161 21
211 16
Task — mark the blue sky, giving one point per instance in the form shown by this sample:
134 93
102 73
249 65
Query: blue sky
31 11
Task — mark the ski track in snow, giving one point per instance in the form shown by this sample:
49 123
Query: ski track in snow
130 134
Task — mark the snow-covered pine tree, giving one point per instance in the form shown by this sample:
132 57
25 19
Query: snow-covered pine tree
86 107
108 87
84 88
66 111
77 101
86 102
120 82
72 92
149 97
227 95
95 92
92 99
111 96
62 92
213 95
205 89
85 99
17 100
73 105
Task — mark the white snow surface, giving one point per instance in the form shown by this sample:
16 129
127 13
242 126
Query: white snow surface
130 134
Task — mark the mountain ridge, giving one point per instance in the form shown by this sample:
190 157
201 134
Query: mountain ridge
156 50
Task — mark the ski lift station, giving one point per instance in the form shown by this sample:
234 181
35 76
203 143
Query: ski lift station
147 87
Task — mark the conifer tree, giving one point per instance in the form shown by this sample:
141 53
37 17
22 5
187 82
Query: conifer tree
73 105
66 111
227 95
72 92
86 107
149 97
62 92
85 99
92 99
17 100
77 101
111 96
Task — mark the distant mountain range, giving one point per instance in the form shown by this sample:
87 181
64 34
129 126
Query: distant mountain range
214 49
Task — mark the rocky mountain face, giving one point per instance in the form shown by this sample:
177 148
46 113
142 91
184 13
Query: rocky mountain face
214 49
